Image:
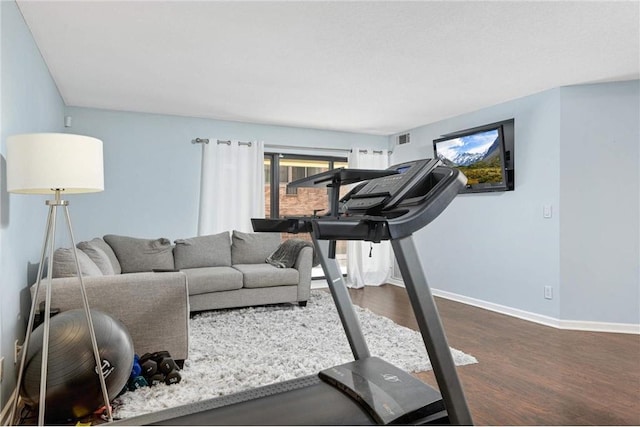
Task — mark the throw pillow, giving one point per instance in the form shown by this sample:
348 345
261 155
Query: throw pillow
98 256
204 251
64 264
252 248
136 255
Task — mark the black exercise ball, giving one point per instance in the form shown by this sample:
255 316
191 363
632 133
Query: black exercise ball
73 384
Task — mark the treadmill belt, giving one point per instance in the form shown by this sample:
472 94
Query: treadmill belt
302 401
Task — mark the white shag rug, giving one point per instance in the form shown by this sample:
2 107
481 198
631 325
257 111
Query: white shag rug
234 350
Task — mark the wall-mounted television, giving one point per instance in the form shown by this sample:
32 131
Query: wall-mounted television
484 154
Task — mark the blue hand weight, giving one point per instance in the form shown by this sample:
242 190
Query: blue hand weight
136 370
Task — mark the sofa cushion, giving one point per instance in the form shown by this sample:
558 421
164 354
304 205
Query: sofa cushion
101 244
136 255
266 275
212 279
204 251
64 264
98 256
252 248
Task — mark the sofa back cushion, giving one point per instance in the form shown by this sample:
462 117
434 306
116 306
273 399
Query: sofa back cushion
98 256
204 251
136 255
101 244
64 264
252 248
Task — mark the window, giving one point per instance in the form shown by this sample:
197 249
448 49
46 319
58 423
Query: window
281 169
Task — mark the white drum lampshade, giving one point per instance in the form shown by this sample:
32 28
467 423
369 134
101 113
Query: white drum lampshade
41 163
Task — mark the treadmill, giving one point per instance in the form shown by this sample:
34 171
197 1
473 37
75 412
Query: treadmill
390 205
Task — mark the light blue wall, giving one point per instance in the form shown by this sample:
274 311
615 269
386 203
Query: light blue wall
497 247
577 150
152 171
30 103
599 191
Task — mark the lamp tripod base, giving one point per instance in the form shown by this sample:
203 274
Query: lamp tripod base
48 246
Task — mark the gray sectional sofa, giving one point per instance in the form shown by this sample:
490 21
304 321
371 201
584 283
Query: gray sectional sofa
152 286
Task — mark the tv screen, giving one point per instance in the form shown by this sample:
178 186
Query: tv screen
479 153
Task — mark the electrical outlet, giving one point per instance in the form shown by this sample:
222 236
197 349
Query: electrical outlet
16 352
548 292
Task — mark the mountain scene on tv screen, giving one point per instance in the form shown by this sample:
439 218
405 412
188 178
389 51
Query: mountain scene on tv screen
477 156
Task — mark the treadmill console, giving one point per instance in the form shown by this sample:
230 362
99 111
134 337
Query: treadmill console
386 204
386 192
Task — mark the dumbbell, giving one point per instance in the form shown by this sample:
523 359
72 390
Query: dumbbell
136 369
155 379
168 367
150 369
172 377
164 361
137 382
148 365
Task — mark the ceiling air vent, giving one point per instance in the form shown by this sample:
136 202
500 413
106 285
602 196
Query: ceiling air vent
404 139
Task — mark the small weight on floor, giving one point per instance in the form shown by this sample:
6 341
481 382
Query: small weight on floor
164 361
172 377
149 366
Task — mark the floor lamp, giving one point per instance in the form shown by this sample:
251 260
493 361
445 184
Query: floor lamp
54 163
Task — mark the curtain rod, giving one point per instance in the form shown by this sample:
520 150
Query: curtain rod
346 150
291 147
219 141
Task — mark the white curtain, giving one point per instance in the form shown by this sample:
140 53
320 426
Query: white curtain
368 263
231 187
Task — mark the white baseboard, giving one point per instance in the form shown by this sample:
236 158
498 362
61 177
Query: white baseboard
396 282
584 325
319 284
576 325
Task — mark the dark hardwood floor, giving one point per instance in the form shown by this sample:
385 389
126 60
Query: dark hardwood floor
529 374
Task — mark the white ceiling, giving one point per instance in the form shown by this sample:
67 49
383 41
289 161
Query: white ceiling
369 67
